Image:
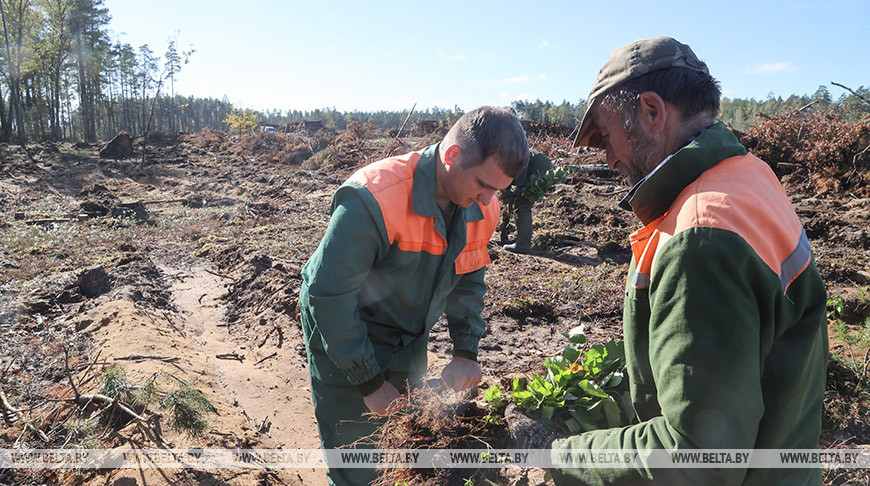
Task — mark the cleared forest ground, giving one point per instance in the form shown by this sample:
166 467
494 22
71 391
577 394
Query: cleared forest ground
192 258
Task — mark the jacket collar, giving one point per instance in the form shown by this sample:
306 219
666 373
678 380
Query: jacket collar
423 196
653 196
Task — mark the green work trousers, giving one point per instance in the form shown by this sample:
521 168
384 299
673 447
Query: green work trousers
339 408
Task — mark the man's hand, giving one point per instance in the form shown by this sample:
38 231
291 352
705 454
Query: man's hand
527 433
381 399
461 373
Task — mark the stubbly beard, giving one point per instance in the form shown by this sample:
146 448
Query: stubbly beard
646 155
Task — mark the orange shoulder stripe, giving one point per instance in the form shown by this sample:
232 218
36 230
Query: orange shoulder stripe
391 182
475 254
754 206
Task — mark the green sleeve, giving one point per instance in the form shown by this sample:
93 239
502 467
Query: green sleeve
464 306
705 355
355 239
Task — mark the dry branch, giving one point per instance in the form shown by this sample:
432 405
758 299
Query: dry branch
162 201
399 133
68 374
592 180
850 90
139 358
267 357
266 337
235 356
50 220
10 413
589 168
84 400
219 275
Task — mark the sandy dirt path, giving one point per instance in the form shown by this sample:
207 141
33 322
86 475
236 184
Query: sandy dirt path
273 395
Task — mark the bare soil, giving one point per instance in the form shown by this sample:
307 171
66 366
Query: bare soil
208 264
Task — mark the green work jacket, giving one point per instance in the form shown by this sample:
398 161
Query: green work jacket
388 268
538 162
724 322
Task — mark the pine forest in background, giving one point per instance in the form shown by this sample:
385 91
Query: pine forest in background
64 78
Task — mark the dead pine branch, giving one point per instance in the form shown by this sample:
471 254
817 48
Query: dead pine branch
86 376
865 100
589 168
802 108
613 193
12 415
599 182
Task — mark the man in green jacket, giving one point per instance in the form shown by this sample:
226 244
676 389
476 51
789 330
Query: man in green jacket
519 204
406 243
724 318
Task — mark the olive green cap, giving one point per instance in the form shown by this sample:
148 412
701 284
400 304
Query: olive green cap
632 61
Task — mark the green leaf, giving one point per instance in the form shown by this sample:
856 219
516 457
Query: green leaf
559 362
611 412
613 380
594 360
573 425
592 389
518 384
571 353
585 419
547 412
493 395
576 335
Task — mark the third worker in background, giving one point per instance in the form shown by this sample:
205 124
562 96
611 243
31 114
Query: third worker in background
519 203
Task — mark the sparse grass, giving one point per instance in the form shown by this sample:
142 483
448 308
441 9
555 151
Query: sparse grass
83 433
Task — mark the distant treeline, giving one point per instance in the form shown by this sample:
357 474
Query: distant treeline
63 78
736 112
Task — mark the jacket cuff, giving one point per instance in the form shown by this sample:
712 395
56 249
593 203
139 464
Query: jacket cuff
363 372
459 353
371 386
466 343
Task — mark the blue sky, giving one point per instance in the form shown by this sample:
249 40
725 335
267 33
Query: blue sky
389 55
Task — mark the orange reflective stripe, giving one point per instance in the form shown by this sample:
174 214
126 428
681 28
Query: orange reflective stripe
391 182
754 206
475 255
644 246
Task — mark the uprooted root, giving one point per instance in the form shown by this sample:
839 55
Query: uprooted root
437 418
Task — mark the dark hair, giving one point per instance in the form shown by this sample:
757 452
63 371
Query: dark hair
489 131
692 92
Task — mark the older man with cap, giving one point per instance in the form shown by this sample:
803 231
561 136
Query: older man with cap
724 316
